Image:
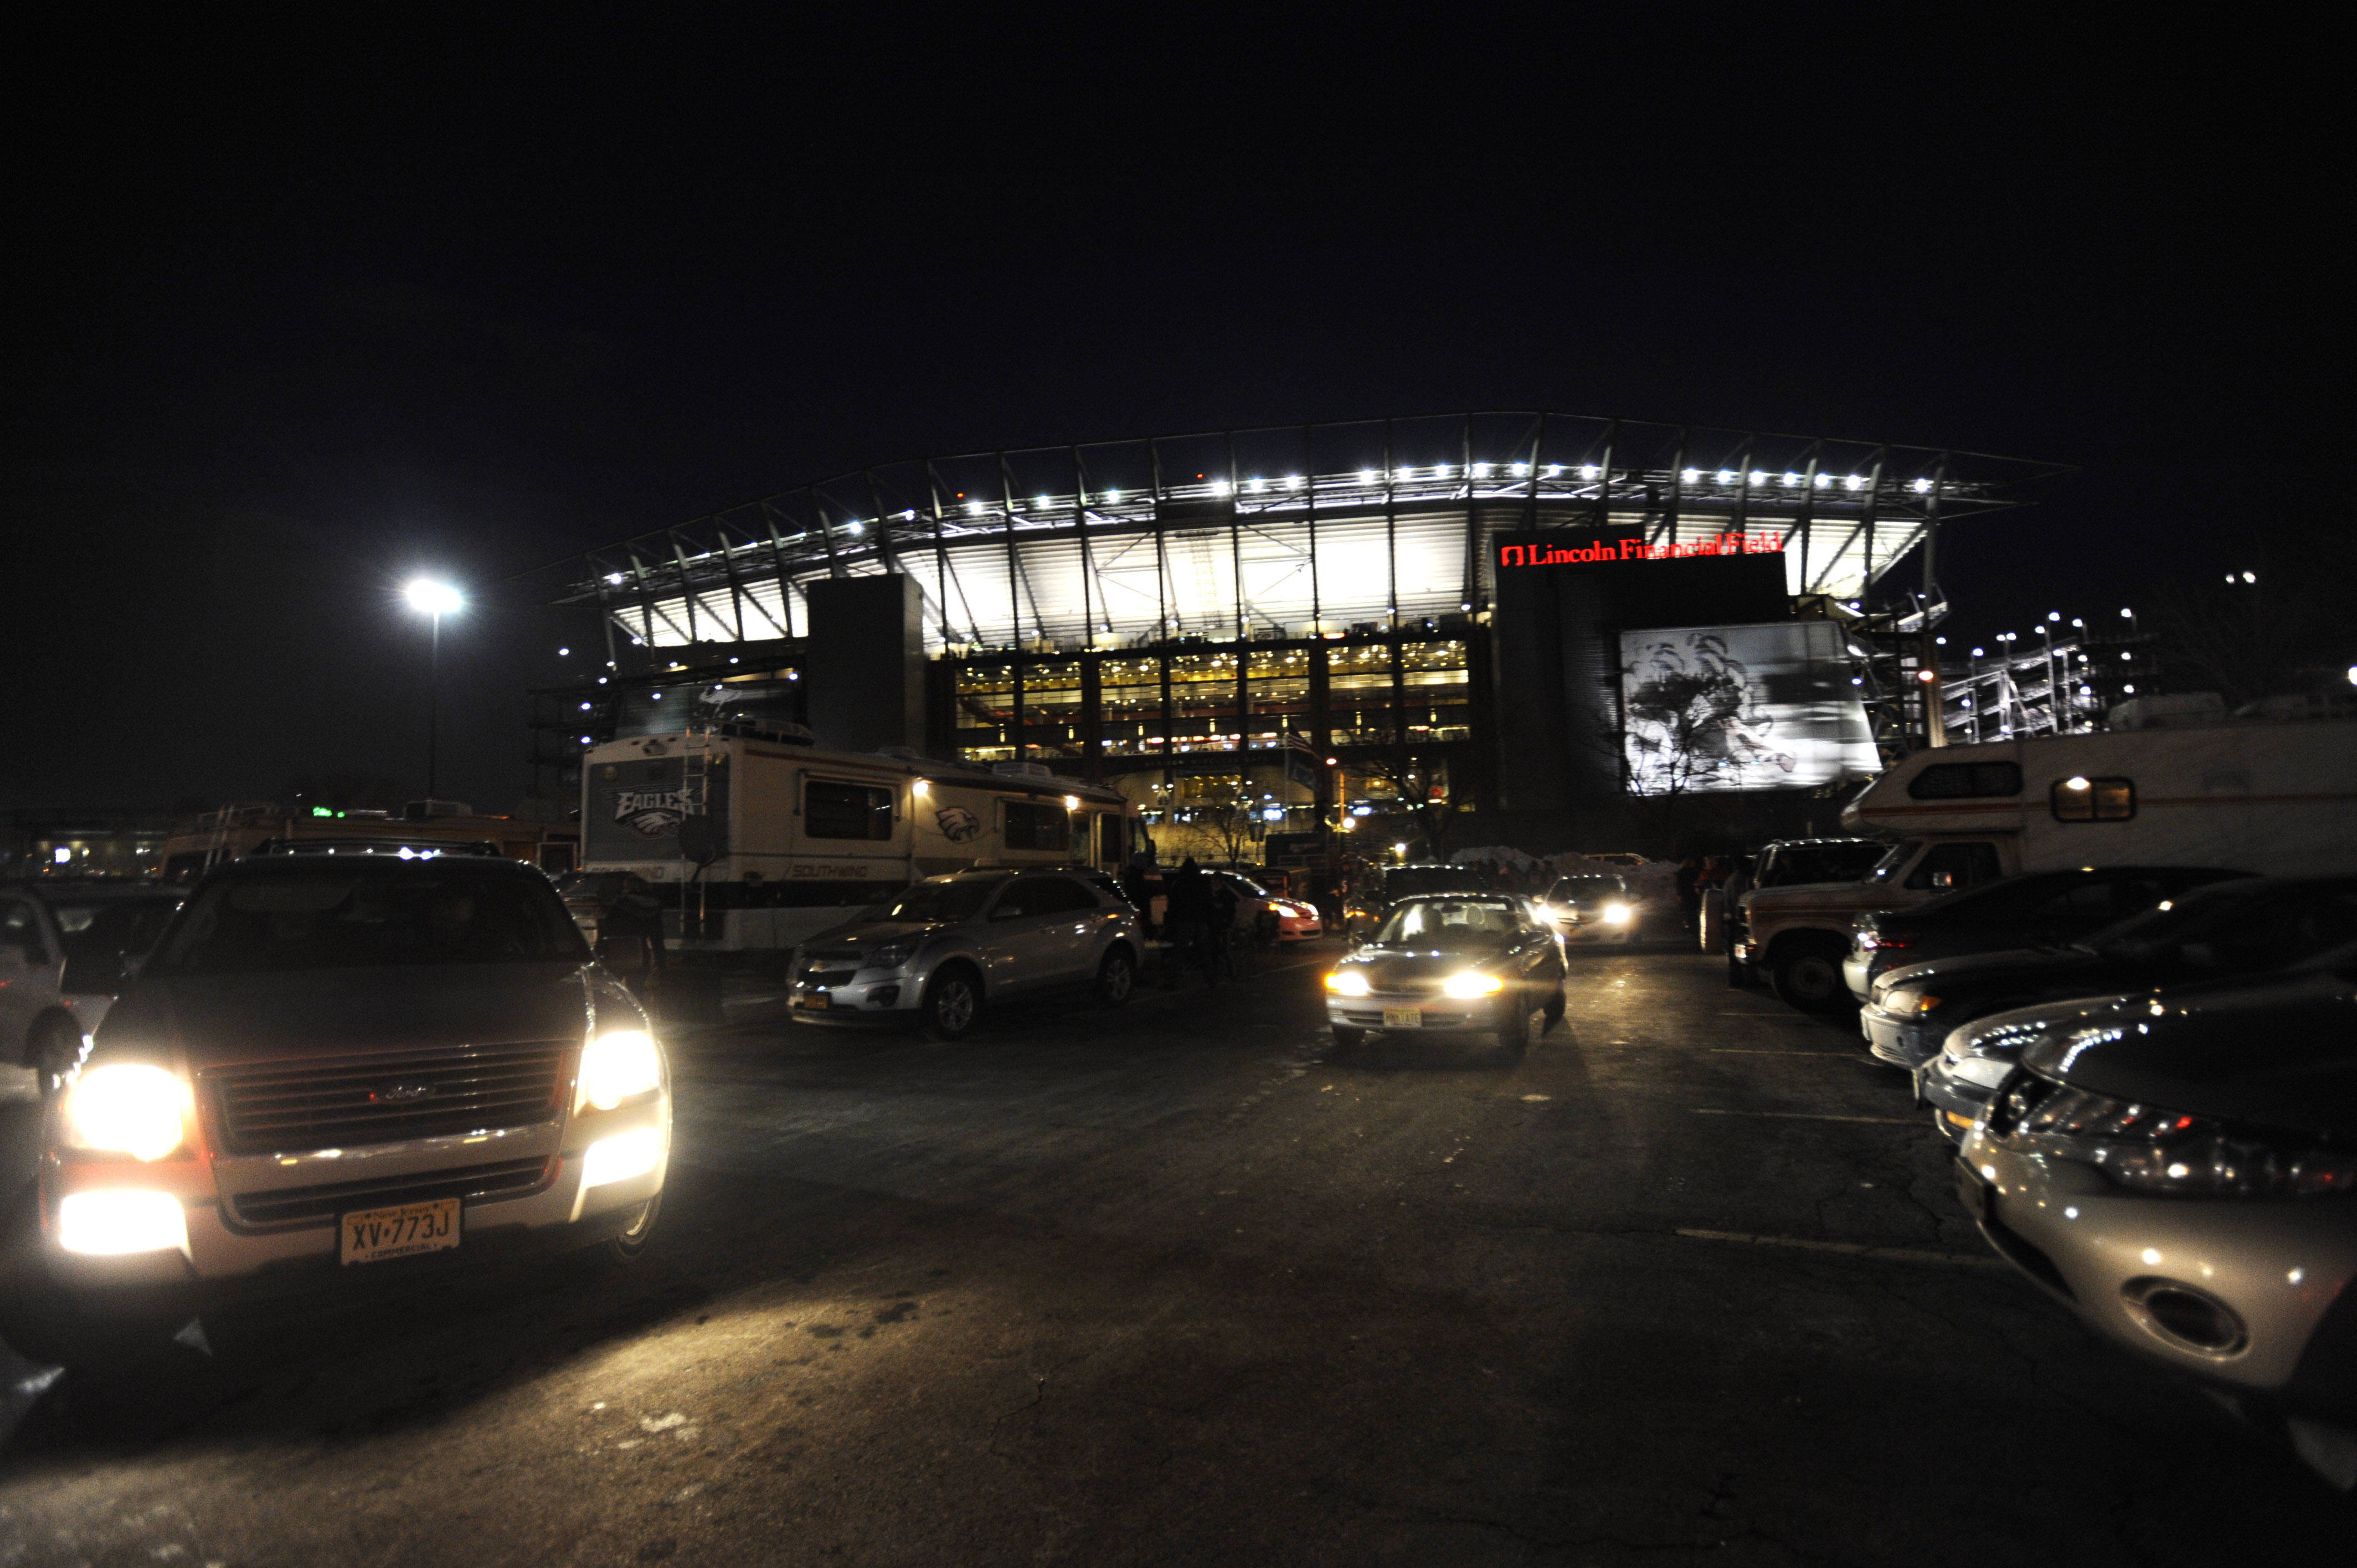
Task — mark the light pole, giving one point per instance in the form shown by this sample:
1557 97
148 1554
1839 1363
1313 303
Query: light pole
434 600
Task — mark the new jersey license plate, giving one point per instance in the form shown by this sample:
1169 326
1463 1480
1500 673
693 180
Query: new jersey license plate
1403 1018
817 1001
373 1235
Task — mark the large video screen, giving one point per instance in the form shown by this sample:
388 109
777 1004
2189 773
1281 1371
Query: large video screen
1741 707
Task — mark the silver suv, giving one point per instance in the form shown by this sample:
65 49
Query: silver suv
945 946
62 946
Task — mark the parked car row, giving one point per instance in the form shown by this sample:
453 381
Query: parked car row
2156 1121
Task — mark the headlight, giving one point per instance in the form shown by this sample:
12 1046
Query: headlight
1347 982
1908 1001
1473 985
2148 1149
1616 914
616 1066
890 957
129 1109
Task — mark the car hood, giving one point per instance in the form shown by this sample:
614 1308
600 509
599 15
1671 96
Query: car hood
1969 973
2278 1054
218 1020
1387 968
874 933
1857 895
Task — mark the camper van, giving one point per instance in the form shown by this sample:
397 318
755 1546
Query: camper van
2255 794
754 838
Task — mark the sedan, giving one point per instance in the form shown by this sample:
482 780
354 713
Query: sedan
2180 1175
1483 964
1591 910
2036 907
2242 927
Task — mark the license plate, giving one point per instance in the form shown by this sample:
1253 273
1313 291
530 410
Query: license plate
1403 1018
818 1003
371 1235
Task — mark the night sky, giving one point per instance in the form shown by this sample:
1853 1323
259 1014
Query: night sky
304 302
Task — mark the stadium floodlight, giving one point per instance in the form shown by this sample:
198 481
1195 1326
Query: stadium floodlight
973 509
1481 470
1292 481
1040 502
1759 475
1852 482
1366 475
1587 470
1689 476
1923 486
1824 479
1726 475
1522 470
429 597
1257 485
1552 469
615 579
1113 496
854 530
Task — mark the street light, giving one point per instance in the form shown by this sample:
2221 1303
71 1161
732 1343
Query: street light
434 600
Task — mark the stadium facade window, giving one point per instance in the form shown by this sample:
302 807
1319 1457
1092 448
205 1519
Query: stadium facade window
986 713
1130 705
1277 694
1437 686
1361 692
1203 702
1053 715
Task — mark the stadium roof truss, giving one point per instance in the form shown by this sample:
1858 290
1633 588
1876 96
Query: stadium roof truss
1233 534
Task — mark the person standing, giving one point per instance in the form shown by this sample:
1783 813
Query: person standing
1221 959
1188 926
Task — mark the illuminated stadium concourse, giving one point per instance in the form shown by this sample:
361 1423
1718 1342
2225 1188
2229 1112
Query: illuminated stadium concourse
1208 619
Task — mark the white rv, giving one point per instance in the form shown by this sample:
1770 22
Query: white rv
797 836
2246 794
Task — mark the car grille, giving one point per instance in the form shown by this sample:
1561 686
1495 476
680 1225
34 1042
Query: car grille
298 1205
327 1102
830 967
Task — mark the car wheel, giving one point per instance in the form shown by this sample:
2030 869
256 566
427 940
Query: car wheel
1808 976
54 1051
952 1002
1347 1039
625 1249
1116 977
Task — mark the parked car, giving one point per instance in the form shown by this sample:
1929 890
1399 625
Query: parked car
949 945
1835 862
2179 1174
1595 908
2040 908
62 947
1267 917
2246 926
350 1063
1451 964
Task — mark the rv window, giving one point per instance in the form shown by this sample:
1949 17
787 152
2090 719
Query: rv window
2083 799
1965 781
1031 826
832 811
1950 866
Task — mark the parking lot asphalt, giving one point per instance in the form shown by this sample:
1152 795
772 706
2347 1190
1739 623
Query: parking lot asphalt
1183 1283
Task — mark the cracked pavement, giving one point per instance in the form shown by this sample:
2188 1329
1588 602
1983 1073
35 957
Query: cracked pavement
1181 1284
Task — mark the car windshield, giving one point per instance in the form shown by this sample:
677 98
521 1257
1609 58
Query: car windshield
1883 870
1585 889
2237 926
102 929
1452 925
367 918
950 901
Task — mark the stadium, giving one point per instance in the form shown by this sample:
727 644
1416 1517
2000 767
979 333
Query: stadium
1288 630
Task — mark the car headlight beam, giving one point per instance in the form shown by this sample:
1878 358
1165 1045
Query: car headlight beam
1616 914
128 1107
616 1067
1470 984
1347 982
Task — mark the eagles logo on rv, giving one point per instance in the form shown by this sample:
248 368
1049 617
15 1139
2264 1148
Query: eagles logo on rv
650 813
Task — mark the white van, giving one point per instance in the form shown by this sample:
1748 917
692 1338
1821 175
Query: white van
796 835
2260 795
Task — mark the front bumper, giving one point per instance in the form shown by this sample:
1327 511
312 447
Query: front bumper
1436 1014
1858 973
230 1255
2276 1265
866 995
1595 932
1898 1039
1957 1099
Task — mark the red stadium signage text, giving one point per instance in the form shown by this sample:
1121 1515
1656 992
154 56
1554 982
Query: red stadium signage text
1638 549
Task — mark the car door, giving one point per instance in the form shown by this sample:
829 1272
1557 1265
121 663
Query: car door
1071 917
1020 936
25 975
